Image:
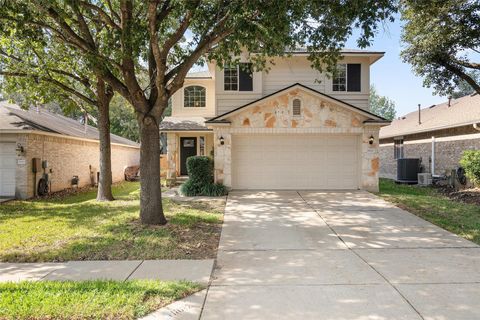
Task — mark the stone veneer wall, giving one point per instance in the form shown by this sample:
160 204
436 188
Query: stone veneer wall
318 117
448 151
66 157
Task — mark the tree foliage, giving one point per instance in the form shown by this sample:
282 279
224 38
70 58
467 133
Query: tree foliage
120 40
441 37
463 88
122 119
381 105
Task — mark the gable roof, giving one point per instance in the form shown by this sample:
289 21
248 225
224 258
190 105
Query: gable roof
372 117
13 118
462 111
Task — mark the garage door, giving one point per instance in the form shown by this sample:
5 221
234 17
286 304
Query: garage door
7 169
295 162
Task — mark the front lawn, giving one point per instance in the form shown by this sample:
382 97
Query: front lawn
88 299
76 227
429 204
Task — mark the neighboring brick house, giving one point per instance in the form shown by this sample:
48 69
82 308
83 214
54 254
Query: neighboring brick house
69 148
289 128
439 138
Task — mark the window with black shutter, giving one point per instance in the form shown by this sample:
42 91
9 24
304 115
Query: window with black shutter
238 78
347 78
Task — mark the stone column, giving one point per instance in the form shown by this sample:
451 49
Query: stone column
222 156
171 156
370 159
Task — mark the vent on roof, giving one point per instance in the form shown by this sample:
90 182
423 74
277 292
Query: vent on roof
432 106
403 118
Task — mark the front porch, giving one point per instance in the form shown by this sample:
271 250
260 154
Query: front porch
186 137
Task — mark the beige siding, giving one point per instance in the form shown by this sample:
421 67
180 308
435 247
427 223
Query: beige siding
283 72
178 108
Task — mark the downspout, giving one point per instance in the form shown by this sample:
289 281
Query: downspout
433 157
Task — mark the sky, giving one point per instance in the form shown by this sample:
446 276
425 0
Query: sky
392 77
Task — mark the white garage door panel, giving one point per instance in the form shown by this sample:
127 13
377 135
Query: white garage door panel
295 162
7 169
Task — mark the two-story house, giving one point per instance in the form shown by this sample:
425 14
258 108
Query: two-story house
290 127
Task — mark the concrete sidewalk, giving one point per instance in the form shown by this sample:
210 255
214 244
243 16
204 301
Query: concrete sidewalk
168 270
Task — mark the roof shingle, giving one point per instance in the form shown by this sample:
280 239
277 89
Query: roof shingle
462 111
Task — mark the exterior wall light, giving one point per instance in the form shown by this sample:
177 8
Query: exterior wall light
20 150
222 140
371 139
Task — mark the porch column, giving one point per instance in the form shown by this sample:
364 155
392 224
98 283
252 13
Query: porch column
171 155
223 156
370 158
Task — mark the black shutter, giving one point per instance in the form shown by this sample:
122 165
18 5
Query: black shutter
245 78
354 77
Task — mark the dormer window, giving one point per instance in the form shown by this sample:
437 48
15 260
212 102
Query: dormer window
347 77
296 107
238 77
194 97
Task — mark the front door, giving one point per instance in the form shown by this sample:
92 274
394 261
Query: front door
188 148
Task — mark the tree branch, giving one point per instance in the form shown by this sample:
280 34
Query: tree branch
57 83
103 15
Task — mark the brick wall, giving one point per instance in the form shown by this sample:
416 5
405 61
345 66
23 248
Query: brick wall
67 157
449 146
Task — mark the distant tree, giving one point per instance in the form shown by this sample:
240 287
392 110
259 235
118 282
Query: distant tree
463 88
382 106
441 37
123 121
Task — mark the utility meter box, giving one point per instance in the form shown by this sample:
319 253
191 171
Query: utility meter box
36 165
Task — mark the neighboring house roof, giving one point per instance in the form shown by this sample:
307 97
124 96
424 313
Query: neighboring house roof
372 117
183 124
462 111
13 118
199 75
344 50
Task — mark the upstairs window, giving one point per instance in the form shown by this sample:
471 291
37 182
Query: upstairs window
194 97
347 77
296 107
398 148
238 78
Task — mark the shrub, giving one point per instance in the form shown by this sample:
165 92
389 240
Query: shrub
470 161
214 190
200 178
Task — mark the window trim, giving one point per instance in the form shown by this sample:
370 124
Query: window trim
238 79
204 96
346 79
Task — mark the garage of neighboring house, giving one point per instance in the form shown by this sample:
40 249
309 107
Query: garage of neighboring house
36 143
297 138
7 169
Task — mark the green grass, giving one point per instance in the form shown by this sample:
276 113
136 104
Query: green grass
76 227
88 299
427 203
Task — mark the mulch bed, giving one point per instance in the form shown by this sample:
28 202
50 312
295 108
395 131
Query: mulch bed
471 195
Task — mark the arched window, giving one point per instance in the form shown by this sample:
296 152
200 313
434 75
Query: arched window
194 97
296 107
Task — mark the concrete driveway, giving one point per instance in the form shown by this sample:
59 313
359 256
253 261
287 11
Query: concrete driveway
338 256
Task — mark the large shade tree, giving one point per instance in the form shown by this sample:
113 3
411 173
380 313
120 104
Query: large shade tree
442 40
119 39
44 71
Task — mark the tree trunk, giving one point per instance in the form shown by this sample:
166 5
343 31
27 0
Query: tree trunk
151 210
104 96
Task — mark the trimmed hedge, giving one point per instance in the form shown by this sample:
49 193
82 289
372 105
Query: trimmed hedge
200 179
470 161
